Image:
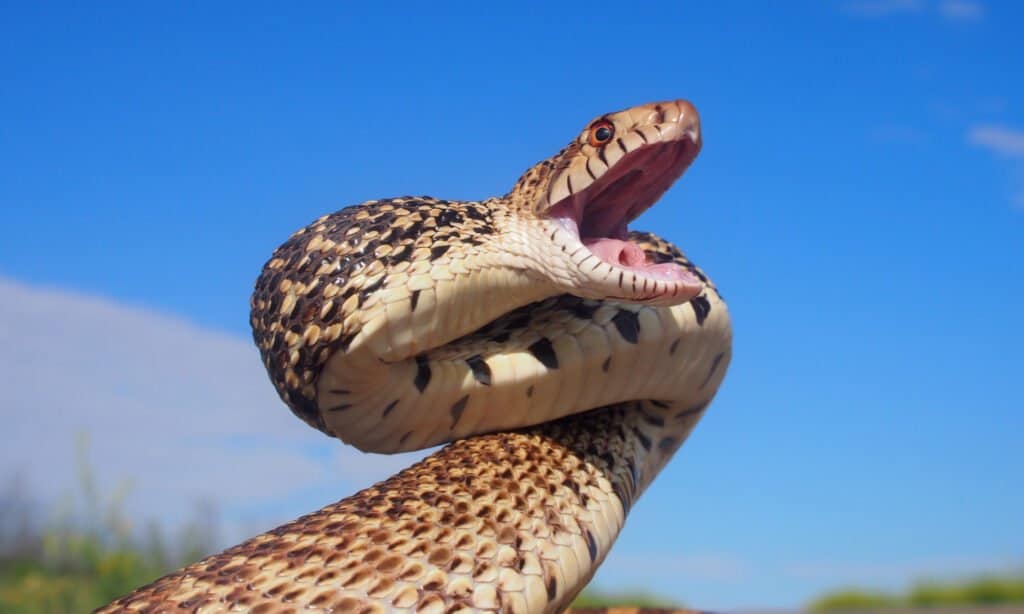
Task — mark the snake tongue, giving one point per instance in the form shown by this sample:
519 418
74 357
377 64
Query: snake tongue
629 256
617 252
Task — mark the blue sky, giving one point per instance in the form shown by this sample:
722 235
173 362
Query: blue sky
859 200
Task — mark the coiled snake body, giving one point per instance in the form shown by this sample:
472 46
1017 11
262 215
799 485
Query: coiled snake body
566 357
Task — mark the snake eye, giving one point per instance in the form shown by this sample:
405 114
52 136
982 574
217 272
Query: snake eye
601 132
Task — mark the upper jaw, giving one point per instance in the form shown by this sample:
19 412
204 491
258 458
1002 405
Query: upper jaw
605 206
650 138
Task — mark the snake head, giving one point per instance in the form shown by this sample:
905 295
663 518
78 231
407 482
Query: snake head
583 199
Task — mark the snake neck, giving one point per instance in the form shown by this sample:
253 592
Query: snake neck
405 323
369 287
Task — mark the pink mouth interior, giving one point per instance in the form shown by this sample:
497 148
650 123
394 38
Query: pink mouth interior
600 213
629 256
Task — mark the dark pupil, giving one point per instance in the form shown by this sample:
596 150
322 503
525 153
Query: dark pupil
603 133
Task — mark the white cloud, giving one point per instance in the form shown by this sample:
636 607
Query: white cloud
961 10
951 10
1007 143
186 414
897 134
998 139
882 8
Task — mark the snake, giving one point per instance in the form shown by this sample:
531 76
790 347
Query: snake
561 356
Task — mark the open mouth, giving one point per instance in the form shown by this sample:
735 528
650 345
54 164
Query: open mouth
599 214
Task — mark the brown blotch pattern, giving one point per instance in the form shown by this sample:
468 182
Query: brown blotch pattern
339 258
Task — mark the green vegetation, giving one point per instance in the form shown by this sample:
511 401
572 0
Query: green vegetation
852 600
989 590
73 560
592 598
86 553
982 591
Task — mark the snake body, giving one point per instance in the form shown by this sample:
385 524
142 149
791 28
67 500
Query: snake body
565 357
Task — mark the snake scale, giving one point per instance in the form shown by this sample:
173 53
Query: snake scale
565 358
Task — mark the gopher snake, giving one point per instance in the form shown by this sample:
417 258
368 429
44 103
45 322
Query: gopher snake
403 323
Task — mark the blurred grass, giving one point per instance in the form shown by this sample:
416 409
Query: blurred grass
86 552
989 590
852 600
595 598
